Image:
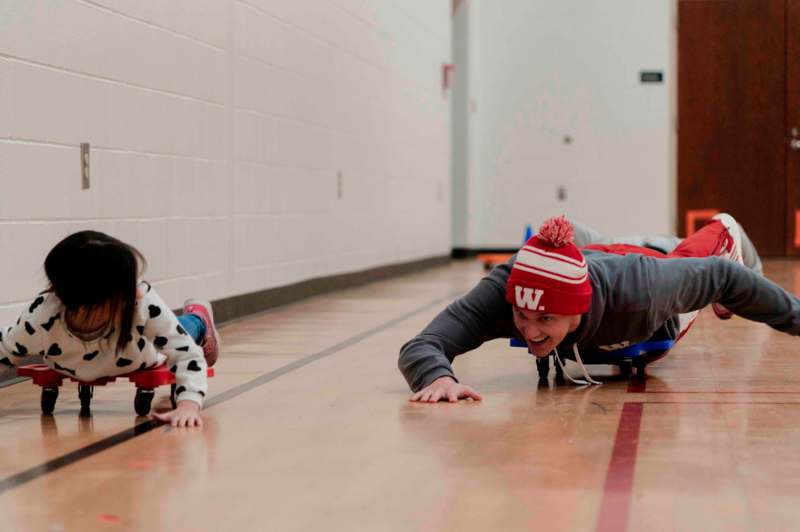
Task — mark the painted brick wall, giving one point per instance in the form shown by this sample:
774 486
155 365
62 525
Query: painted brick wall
240 144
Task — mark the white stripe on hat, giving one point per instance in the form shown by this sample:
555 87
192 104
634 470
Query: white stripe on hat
545 273
556 256
554 267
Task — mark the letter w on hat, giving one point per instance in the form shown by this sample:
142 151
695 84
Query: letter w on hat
529 298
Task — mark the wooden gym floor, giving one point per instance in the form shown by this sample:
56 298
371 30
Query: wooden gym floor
308 428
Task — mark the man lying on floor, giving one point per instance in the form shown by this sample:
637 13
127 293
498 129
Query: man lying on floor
556 297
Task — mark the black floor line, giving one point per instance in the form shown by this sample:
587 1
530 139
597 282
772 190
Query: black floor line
4 383
77 455
9 376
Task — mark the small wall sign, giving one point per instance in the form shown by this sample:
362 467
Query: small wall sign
651 76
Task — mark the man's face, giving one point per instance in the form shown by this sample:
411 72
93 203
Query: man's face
542 331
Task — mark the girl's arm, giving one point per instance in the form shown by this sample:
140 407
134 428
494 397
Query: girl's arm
23 340
184 359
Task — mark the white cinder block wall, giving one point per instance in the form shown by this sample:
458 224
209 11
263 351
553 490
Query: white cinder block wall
539 71
240 144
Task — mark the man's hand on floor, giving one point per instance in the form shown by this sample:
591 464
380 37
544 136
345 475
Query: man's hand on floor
445 389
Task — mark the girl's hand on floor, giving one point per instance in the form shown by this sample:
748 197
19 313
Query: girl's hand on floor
186 415
445 388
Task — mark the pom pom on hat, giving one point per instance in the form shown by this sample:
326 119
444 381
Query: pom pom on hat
557 231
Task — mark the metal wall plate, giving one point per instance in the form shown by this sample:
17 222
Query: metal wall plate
85 166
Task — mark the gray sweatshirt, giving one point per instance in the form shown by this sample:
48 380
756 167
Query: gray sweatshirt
635 298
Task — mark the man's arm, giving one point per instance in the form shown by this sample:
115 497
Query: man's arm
684 285
464 325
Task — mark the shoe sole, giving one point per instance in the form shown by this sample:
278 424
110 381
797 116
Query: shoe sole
735 230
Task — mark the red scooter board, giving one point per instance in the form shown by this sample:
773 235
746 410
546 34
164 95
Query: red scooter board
146 381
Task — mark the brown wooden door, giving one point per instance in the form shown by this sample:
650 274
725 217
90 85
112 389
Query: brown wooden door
731 114
793 126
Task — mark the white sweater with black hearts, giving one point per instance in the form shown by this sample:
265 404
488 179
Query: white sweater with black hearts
157 338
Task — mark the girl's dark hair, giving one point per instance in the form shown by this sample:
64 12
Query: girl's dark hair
89 269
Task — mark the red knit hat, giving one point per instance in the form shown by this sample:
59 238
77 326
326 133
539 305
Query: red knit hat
550 273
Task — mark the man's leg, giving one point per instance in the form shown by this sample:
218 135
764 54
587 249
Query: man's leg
626 249
720 237
586 236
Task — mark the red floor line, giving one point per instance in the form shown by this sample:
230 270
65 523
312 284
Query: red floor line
618 488
710 392
717 403
637 385
615 506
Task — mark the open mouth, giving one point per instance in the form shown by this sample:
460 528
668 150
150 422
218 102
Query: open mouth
539 341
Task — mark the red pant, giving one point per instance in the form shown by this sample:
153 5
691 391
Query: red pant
707 242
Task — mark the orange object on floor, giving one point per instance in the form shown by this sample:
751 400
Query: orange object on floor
490 260
693 215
